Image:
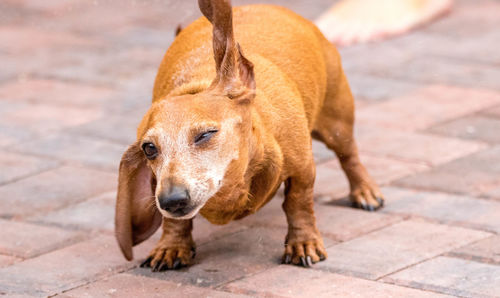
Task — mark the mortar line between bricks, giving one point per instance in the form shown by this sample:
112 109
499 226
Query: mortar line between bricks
99 84
397 183
462 59
451 223
397 158
450 120
376 280
406 267
31 174
90 136
423 81
423 289
443 254
223 284
94 280
442 192
86 198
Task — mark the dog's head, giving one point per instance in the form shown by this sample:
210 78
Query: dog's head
189 145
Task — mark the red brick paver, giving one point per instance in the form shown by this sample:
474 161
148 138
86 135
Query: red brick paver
26 240
452 276
390 249
486 251
127 285
76 79
313 283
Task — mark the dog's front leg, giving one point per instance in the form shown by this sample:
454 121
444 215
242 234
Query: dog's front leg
176 247
303 244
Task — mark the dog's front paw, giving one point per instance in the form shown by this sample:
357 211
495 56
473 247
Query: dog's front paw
169 257
366 197
304 253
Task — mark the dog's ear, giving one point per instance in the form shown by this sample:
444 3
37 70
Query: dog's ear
136 217
235 73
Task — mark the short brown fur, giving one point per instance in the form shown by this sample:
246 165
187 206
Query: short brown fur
283 83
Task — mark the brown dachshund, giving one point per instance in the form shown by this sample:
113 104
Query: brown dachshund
222 147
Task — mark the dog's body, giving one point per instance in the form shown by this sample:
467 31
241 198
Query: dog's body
263 112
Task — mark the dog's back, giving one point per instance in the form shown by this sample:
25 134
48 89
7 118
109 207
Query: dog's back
285 48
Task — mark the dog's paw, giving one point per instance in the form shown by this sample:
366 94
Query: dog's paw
304 253
169 257
366 197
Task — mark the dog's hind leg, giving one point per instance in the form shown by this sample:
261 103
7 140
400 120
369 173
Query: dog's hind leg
334 127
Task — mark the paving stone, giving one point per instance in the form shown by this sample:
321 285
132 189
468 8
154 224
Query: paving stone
103 154
13 135
426 106
93 214
374 59
467 20
375 89
412 146
390 249
331 181
52 190
229 258
23 38
472 127
471 49
55 92
26 240
493 112
121 128
7 260
66 268
127 285
452 276
484 251
103 69
290 281
204 231
16 166
476 175
51 7
321 152
436 70
41 118
334 222
452 209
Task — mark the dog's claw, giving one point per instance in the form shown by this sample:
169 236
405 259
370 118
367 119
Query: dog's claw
322 257
193 252
146 263
370 208
177 264
287 259
157 267
163 267
380 202
303 262
309 261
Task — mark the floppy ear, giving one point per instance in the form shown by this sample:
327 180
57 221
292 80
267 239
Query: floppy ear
235 73
136 217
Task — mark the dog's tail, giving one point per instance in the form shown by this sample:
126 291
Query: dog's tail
231 65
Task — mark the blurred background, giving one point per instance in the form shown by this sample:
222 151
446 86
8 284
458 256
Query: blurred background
76 77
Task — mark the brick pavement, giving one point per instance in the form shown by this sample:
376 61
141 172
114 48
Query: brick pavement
77 75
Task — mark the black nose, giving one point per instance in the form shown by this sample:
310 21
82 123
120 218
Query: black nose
175 201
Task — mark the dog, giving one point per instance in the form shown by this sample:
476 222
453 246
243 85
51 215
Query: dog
235 107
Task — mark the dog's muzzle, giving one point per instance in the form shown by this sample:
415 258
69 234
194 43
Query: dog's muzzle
176 201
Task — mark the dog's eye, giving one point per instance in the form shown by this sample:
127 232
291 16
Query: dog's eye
150 150
204 137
